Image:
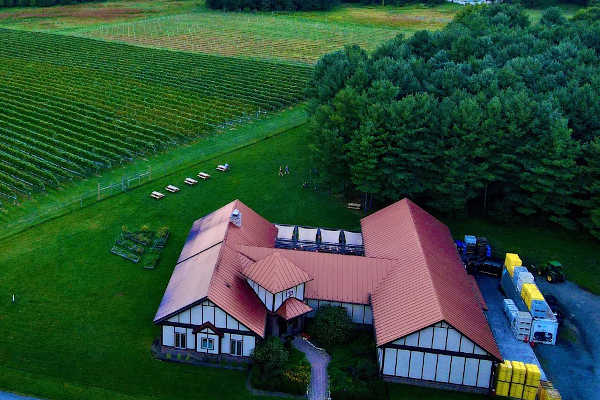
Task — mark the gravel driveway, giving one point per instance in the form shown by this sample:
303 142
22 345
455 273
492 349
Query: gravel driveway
573 364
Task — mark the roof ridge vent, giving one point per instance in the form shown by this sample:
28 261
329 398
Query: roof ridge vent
236 218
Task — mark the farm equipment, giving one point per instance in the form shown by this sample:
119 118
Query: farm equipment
553 271
476 254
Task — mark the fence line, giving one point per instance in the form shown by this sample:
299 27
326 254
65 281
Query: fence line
87 198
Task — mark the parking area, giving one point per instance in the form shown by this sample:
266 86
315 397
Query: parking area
510 347
572 364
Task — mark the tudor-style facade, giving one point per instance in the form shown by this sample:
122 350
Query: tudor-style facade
439 354
232 287
208 329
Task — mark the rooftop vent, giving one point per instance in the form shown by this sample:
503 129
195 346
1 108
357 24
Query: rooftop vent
236 218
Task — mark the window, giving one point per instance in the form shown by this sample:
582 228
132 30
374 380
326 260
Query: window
207 344
236 347
180 340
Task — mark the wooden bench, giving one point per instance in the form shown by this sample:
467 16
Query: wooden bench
190 181
353 206
157 195
172 189
203 175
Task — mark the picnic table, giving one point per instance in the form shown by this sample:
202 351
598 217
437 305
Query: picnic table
157 195
172 189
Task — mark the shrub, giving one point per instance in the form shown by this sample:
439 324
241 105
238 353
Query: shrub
331 326
269 357
278 369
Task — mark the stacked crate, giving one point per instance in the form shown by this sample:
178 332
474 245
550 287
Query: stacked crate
504 378
519 321
548 392
518 380
532 381
511 261
522 277
521 325
534 300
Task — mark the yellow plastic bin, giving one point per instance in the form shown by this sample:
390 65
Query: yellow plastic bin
529 392
516 390
505 371
533 375
502 388
530 293
518 372
511 261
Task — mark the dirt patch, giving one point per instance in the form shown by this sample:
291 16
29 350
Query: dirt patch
106 14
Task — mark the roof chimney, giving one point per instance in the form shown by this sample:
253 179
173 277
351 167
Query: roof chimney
236 218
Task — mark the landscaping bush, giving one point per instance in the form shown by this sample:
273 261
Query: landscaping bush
353 372
279 369
331 326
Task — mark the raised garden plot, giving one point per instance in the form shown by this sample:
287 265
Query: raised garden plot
143 246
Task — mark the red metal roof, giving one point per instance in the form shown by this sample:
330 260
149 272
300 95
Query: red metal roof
348 279
219 278
477 292
275 273
430 283
292 308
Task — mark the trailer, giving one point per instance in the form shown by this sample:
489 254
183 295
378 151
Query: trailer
544 325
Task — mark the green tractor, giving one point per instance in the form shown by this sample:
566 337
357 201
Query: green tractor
553 271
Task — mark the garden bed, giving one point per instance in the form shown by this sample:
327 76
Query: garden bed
143 246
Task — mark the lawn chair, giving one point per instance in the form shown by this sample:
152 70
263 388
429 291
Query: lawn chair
157 195
203 175
190 181
223 168
172 189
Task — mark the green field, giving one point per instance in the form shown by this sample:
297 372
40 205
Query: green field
279 37
73 106
87 315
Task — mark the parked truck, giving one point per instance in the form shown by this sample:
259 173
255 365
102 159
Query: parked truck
527 297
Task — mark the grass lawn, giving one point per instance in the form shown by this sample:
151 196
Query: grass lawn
579 253
81 326
58 201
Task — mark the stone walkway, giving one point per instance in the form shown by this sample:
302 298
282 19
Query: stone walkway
319 360
12 396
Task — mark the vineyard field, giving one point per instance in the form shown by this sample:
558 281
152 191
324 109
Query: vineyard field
72 106
259 36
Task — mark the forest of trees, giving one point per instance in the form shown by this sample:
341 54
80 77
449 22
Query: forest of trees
491 113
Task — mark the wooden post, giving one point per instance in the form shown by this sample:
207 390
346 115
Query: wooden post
98 191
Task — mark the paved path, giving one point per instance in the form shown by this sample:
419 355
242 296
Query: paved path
319 360
574 363
12 396
509 346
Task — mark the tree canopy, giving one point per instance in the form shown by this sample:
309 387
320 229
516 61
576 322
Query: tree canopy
491 112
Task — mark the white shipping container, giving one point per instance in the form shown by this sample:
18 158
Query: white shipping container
544 330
